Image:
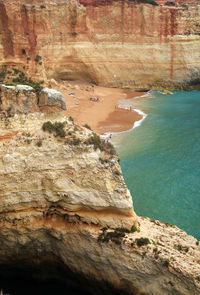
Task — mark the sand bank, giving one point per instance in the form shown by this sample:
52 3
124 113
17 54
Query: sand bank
102 115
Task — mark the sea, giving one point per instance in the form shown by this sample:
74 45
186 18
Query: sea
160 158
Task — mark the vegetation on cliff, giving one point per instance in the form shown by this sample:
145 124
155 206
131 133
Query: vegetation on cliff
18 77
152 2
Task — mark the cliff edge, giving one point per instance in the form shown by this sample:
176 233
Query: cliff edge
64 204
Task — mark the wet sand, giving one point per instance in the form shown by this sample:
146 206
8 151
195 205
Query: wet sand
104 115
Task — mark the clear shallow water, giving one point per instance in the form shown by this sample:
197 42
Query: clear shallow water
160 159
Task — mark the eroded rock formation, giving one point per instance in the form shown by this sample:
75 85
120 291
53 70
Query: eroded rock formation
23 99
61 200
110 42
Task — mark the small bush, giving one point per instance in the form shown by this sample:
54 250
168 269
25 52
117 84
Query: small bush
48 126
166 263
95 140
39 143
103 161
42 6
114 236
16 71
142 241
109 148
23 80
87 126
28 141
71 119
76 141
122 230
8 112
37 58
152 2
170 3
104 229
57 128
134 229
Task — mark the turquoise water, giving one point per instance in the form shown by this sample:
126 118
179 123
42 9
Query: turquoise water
160 159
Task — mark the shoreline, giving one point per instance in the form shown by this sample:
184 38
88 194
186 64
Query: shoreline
104 115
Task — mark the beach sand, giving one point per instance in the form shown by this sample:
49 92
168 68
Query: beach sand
102 116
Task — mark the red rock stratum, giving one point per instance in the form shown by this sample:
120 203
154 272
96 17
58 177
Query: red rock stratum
119 43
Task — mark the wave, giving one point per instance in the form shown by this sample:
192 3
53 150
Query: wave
125 104
138 123
108 135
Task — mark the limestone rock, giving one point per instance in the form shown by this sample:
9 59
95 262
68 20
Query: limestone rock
53 83
57 202
165 91
52 98
23 99
19 99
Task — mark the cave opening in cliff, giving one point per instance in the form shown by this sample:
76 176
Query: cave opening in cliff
23 51
30 277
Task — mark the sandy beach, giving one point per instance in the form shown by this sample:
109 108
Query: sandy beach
102 115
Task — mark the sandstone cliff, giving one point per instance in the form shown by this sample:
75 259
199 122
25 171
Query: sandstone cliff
63 202
109 42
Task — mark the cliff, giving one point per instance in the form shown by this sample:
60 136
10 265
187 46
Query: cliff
114 43
66 213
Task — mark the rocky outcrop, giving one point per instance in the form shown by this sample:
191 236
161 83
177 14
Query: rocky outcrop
51 97
23 99
63 201
132 45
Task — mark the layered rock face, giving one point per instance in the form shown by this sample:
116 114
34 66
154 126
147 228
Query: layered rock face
115 43
23 99
63 202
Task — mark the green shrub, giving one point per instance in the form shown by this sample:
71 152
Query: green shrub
42 6
87 126
39 143
109 148
37 58
114 236
16 71
95 140
57 128
152 2
104 229
76 141
122 230
134 229
23 80
48 126
28 141
142 241
71 119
